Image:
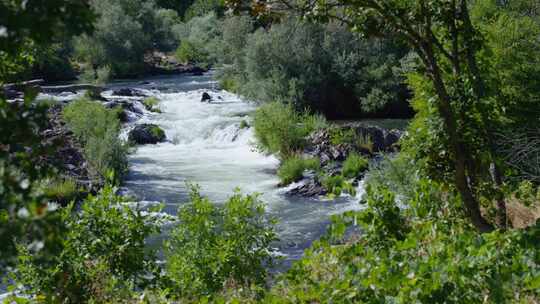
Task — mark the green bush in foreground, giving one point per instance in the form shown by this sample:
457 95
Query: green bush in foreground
281 130
103 254
292 168
425 253
98 129
215 247
354 164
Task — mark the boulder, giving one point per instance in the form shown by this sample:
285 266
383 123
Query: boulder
206 97
309 186
147 134
129 92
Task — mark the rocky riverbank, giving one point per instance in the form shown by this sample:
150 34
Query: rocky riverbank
332 146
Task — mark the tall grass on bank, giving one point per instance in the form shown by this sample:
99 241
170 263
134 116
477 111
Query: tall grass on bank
292 169
280 129
98 130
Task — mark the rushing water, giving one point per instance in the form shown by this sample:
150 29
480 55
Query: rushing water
207 146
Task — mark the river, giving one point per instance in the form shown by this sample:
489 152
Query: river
207 147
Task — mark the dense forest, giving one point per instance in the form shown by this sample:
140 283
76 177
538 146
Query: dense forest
451 205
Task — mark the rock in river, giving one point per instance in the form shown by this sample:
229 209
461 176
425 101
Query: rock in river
206 97
147 134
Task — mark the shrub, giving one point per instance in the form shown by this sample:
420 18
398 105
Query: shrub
335 185
214 247
399 175
323 68
98 129
354 165
152 104
292 168
340 136
188 52
424 253
103 253
280 129
62 191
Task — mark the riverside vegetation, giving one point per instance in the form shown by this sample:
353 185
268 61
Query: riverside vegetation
438 223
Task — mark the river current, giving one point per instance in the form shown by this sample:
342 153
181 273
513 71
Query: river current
207 146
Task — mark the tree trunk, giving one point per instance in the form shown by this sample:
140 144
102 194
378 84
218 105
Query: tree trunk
480 92
458 150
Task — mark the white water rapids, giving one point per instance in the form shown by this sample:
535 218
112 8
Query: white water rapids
206 146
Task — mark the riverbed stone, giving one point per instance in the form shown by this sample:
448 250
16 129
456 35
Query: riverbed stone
129 92
147 134
206 97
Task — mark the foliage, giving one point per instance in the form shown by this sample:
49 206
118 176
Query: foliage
125 32
335 185
151 104
215 247
424 253
98 129
323 68
198 39
349 136
280 129
24 212
40 22
292 168
188 52
204 7
61 191
398 174
527 193
354 164
103 252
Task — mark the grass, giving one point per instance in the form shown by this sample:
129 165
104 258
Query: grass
281 130
292 169
62 191
336 185
98 128
354 165
152 104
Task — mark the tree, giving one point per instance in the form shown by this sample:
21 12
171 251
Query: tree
24 213
447 44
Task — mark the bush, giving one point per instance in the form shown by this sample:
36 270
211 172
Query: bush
424 253
292 168
399 175
188 52
354 165
215 247
335 185
62 191
323 68
103 253
280 129
98 129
